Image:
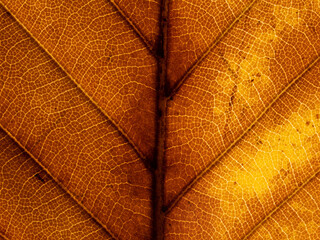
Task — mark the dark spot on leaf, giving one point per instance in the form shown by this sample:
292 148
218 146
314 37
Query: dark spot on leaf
242 168
283 173
307 123
164 209
231 100
242 55
38 177
313 29
109 58
234 90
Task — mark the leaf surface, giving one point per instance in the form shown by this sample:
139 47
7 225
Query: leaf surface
56 123
159 119
33 205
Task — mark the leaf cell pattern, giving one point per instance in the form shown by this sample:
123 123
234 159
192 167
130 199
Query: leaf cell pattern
158 119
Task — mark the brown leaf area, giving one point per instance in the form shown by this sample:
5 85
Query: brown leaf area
184 119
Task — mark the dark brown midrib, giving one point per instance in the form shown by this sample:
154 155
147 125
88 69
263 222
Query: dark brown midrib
158 162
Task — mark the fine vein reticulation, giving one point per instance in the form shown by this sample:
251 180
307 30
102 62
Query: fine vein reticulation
165 120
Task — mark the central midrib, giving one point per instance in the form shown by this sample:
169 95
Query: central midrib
161 109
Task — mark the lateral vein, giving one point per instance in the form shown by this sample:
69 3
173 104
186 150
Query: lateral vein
207 52
93 102
214 161
59 183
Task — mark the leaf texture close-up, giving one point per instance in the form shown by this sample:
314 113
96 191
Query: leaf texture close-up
159 119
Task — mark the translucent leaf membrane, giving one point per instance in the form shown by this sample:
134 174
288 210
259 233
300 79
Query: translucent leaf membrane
101 53
279 155
78 94
145 15
267 49
299 218
194 26
33 206
57 124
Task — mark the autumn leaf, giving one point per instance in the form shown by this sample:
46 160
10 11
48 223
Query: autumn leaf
159 119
